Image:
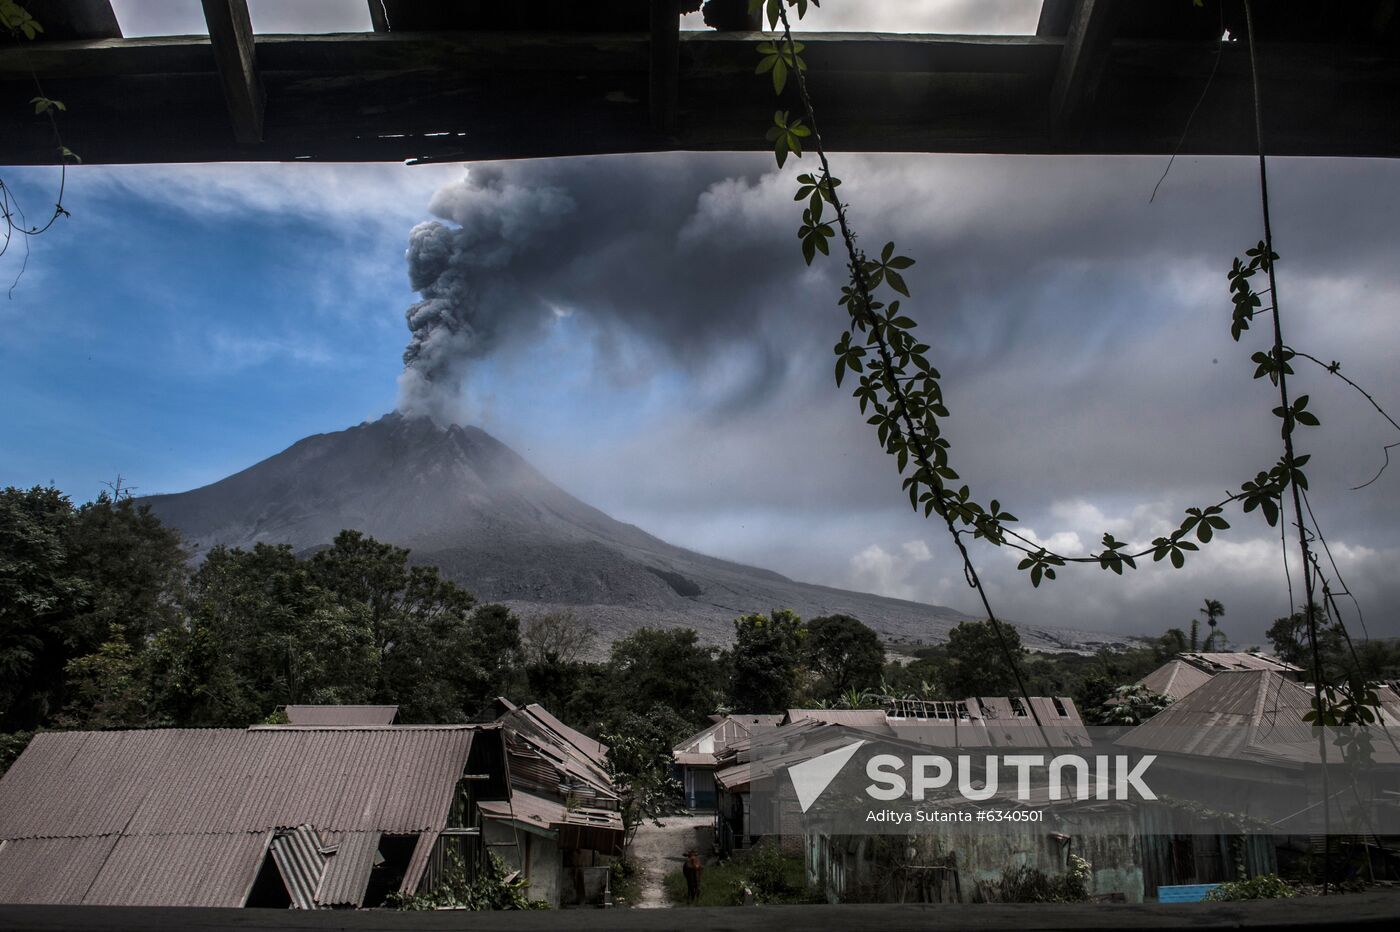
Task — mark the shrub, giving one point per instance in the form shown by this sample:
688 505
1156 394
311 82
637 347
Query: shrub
1265 887
766 872
488 890
1025 884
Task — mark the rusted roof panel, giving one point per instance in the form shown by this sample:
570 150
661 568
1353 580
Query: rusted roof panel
418 863
596 751
341 714
549 760
194 781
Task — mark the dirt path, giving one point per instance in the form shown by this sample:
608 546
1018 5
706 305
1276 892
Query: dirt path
659 851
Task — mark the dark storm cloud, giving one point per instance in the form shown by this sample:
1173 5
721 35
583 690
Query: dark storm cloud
1082 332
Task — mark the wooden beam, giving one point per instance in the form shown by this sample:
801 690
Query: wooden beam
74 19
1055 17
231 35
378 15
463 96
664 87
1082 62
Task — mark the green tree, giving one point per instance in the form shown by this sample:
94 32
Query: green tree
262 633
845 653
1172 642
438 656
135 567
976 662
656 668
108 688
39 595
1212 609
766 658
493 655
639 761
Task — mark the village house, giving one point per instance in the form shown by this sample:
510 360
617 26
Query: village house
957 864
1233 743
697 757
339 808
996 721
561 824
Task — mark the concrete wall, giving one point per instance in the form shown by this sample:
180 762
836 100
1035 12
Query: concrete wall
537 857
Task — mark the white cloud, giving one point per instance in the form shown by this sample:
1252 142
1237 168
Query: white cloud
882 572
352 200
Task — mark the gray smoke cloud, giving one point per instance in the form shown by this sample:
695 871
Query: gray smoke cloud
1083 333
468 292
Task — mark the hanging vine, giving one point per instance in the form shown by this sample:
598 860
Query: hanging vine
900 392
23 27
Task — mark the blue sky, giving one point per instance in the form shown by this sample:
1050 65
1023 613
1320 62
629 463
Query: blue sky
165 343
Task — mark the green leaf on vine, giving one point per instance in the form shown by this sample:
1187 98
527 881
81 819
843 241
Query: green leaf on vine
45 104
779 59
887 269
787 137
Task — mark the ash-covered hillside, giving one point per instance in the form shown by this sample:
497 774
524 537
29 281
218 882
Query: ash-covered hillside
464 501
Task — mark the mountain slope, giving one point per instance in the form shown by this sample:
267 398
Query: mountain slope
465 502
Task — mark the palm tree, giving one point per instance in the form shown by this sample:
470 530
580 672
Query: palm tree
1212 610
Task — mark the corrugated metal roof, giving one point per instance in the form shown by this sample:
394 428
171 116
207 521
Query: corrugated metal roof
150 870
856 718
180 781
547 759
1175 678
347 870
341 714
542 814
1244 714
594 750
1224 661
301 862
182 817
723 732
51 870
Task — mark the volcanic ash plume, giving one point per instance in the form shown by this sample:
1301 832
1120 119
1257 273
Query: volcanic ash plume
461 273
